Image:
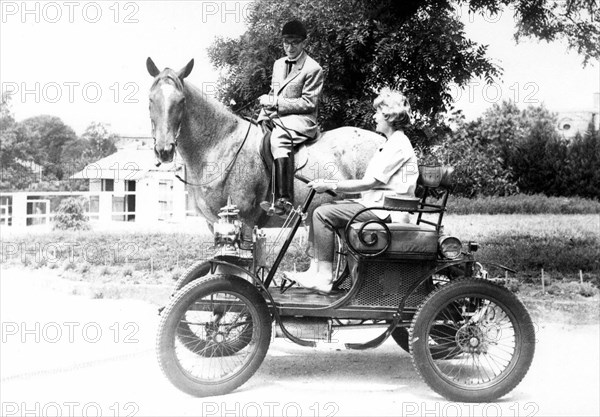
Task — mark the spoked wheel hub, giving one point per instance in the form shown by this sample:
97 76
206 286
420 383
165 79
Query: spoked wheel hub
471 339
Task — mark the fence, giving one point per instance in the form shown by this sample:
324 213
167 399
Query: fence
39 208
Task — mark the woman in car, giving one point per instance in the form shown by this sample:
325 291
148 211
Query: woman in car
392 170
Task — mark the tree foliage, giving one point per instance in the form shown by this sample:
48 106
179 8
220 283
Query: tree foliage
71 215
47 135
14 150
362 45
417 46
508 150
47 142
573 21
96 142
477 151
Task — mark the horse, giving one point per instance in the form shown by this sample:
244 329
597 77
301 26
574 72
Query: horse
221 150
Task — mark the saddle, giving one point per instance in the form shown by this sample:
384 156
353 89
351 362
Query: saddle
300 153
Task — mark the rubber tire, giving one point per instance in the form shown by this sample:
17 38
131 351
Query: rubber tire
178 306
195 271
524 340
199 270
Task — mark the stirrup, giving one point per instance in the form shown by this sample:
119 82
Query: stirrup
285 206
271 209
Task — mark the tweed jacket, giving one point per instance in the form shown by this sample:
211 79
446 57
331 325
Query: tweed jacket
297 95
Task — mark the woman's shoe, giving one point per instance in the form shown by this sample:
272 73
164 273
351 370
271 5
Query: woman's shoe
318 278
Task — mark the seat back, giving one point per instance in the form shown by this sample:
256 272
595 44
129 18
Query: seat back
437 182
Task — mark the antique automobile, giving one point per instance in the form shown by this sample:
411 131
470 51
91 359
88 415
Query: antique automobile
471 339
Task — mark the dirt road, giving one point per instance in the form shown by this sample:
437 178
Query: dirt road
74 356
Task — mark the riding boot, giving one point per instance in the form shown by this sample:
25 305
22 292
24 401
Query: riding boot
283 189
284 174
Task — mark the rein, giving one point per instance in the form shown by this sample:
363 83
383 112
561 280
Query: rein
228 167
237 153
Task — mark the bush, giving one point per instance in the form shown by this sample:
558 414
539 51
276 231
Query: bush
477 162
581 173
586 289
71 216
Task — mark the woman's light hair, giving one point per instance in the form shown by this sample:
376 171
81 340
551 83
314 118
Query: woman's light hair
395 107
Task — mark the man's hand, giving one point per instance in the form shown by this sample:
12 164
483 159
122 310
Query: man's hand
267 101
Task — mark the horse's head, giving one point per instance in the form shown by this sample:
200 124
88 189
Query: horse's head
167 108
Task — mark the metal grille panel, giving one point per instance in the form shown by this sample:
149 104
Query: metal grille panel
385 283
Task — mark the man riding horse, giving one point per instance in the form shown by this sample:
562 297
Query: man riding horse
290 109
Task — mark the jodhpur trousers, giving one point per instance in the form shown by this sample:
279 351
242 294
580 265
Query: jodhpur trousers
281 142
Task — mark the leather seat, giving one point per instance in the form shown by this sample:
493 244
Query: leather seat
409 241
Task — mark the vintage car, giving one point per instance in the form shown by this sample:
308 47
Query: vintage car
470 338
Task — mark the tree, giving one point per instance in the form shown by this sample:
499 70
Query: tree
417 46
537 157
14 151
420 48
508 150
47 135
100 141
574 21
95 143
581 171
476 151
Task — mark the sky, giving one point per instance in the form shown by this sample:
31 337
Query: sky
84 61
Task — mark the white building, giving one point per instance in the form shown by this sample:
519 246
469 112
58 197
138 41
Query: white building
126 186
139 190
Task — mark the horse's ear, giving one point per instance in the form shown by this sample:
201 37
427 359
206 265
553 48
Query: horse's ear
184 72
151 67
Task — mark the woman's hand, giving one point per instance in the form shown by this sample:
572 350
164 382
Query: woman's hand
321 185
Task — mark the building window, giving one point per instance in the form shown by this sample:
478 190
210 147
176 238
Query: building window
5 210
165 199
108 185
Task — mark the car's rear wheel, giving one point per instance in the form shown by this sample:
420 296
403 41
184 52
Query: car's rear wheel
472 341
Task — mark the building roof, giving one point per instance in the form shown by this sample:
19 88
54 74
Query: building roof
126 164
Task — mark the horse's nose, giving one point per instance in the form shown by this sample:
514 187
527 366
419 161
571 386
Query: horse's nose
166 152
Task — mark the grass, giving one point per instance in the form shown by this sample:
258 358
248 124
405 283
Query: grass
523 204
560 244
